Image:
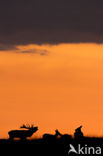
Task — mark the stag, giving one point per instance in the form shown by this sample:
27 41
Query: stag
22 134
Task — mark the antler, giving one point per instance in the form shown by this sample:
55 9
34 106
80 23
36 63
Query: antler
23 126
27 126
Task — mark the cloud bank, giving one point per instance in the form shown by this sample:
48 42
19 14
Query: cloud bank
50 22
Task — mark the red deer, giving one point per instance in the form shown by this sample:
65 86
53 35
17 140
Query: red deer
78 133
64 137
50 137
22 134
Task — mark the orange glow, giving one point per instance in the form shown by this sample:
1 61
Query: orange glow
60 89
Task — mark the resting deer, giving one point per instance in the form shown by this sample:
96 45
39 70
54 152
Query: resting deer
64 137
78 133
23 134
50 137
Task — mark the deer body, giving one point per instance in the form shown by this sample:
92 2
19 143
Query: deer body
22 134
65 138
50 137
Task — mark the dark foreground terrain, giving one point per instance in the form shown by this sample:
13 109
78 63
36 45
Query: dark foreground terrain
52 147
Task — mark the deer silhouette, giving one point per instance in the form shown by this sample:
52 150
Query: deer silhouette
22 134
78 133
50 137
64 137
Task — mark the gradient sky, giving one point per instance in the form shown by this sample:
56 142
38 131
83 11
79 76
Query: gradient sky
51 65
52 86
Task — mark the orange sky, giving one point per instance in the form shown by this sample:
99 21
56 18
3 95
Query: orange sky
52 86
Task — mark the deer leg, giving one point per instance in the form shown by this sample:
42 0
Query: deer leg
23 138
11 137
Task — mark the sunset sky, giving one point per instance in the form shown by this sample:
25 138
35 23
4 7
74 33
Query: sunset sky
51 65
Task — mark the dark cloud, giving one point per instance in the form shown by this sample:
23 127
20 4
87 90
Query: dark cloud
50 21
34 51
7 47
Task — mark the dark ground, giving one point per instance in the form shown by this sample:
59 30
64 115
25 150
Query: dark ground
40 147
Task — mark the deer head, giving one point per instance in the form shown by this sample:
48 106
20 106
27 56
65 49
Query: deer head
29 127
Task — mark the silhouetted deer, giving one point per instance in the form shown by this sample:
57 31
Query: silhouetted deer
22 134
78 133
50 137
65 138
